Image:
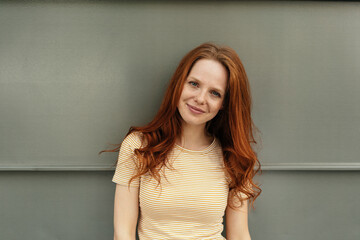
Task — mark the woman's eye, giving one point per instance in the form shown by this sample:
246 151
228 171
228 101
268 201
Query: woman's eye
193 83
215 93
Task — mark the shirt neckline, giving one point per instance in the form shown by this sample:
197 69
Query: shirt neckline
204 150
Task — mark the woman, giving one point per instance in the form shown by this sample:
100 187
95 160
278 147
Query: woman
193 162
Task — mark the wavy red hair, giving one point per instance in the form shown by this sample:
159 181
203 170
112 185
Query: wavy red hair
233 126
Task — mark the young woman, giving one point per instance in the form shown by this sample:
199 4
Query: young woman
193 162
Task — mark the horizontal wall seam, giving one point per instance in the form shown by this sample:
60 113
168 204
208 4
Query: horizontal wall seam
264 167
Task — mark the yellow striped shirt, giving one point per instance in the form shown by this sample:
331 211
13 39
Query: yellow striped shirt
191 202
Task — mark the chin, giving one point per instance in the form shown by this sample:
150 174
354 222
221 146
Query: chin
194 122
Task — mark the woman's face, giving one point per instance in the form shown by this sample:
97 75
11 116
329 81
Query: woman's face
203 93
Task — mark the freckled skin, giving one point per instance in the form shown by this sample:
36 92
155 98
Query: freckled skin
203 93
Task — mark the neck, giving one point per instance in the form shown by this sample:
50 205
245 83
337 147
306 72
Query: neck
194 137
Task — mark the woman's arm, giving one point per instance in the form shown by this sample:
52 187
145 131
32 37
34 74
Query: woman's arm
126 210
237 222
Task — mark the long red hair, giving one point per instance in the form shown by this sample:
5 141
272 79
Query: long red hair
233 125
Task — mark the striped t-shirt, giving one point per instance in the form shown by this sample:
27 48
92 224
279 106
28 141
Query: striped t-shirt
191 202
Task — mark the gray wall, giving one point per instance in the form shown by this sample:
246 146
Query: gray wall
75 75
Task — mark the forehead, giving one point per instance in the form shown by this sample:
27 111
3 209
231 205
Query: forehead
210 72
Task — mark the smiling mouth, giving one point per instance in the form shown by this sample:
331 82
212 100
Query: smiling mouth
195 109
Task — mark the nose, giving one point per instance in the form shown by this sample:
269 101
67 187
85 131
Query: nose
200 97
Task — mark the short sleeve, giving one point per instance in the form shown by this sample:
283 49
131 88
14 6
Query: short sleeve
126 164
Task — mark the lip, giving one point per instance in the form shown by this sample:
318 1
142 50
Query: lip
195 109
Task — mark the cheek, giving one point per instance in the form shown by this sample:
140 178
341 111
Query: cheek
183 92
186 94
216 106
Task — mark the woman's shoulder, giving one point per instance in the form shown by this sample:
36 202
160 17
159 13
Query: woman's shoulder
133 139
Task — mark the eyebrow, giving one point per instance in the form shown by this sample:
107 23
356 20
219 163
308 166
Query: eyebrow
214 88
